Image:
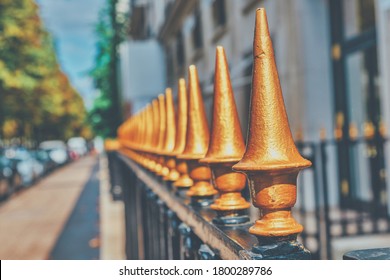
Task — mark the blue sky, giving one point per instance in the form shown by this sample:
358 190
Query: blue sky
72 25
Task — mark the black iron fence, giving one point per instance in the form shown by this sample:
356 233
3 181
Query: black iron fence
336 202
161 223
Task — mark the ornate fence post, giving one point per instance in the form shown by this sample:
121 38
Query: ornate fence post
156 132
271 160
170 138
161 134
197 141
150 163
226 148
183 181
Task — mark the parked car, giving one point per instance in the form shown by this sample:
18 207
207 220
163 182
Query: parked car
27 167
43 157
57 151
6 174
77 146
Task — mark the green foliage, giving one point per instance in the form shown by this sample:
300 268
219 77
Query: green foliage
105 116
37 101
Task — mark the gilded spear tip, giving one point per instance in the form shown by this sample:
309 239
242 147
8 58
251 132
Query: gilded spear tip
170 134
181 120
226 141
270 143
182 85
162 122
226 147
197 138
262 44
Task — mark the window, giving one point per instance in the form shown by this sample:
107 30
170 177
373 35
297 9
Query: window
359 16
357 98
219 13
170 66
197 31
180 49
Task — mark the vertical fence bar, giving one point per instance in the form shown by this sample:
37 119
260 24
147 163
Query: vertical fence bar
325 190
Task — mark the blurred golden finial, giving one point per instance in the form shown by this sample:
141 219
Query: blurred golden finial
184 180
353 131
369 130
170 135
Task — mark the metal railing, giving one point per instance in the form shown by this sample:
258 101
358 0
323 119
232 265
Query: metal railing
330 212
185 187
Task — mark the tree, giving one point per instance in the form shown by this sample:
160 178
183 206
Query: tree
37 101
105 115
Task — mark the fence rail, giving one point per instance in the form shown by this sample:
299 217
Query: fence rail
324 210
162 223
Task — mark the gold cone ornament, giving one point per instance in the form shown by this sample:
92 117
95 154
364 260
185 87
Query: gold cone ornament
170 135
197 140
183 180
149 137
161 134
227 144
271 160
112 145
143 137
155 126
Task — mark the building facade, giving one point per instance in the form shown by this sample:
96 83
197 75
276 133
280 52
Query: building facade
321 49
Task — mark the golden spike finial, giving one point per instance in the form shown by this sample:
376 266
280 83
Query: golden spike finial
154 115
156 124
271 160
134 131
161 135
369 130
197 140
182 106
112 145
338 133
183 180
338 130
353 131
163 123
227 145
149 127
141 140
170 135
143 130
149 164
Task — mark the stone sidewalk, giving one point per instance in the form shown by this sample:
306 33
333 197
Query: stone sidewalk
40 220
